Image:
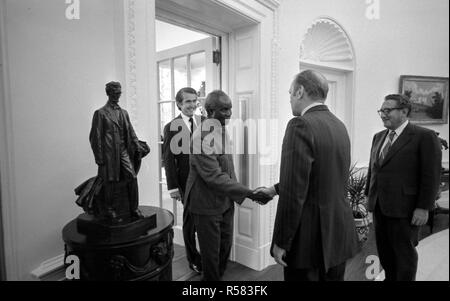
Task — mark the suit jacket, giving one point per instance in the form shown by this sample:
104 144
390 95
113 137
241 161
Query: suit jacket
177 165
212 186
409 176
105 140
314 222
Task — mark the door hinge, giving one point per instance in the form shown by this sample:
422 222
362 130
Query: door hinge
217 57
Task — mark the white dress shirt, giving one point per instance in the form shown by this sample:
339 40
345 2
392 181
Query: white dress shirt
398 132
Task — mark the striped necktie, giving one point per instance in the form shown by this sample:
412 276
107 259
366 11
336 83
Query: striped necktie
387 147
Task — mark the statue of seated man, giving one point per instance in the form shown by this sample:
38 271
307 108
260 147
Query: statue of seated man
118 154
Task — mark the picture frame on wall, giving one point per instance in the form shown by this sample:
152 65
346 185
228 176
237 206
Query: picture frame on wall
429 98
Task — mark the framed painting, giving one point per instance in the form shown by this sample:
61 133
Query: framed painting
429 98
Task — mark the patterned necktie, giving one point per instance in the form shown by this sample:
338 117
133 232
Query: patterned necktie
387 147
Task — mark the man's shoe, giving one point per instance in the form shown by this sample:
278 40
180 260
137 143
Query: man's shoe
137 214
195 268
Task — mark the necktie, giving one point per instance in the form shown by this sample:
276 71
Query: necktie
191 121
387 147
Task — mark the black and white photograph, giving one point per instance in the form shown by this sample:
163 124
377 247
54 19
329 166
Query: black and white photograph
251 142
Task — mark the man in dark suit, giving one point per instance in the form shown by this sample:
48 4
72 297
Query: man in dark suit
212 188
176 150
402 184
115 146
314 233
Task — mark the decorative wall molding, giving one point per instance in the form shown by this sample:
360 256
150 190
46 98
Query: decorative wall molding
326 42
274 111
48 267
270 4
131 60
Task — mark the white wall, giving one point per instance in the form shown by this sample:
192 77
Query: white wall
58 69
410 38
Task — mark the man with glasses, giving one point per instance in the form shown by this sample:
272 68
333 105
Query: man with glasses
402 184
176 150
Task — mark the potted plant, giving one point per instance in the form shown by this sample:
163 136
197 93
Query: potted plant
356 186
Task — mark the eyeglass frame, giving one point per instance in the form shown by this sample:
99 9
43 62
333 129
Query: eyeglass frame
388 111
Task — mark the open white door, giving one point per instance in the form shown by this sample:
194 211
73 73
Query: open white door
245 86
189 65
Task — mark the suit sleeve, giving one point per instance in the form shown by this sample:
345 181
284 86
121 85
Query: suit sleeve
369 170
208 168
296 162
430 170
95 138
170 165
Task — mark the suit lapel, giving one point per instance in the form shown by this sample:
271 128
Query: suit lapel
401 141
377 146
111 115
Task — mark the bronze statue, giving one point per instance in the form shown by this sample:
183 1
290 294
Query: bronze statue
113 194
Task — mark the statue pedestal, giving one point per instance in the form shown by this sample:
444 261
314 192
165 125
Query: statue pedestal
124 231
123 255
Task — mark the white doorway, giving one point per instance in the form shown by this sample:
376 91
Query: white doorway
248 65
185 58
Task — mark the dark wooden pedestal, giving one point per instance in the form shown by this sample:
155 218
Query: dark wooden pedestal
148 257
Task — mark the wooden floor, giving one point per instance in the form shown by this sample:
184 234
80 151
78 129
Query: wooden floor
355 271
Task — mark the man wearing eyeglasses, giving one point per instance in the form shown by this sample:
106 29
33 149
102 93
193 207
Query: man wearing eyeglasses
176 150
402 184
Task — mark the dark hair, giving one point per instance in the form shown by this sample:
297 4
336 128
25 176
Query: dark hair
179 96
402 101
212 99
314 83
111 85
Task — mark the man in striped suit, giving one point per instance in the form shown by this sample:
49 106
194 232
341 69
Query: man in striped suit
314 233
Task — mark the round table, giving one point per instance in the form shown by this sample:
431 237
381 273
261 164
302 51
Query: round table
147 257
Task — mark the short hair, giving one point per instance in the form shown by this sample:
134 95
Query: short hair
110 86
314 83
179 96
212 99
402 100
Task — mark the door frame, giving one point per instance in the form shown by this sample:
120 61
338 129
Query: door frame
8 228
263 14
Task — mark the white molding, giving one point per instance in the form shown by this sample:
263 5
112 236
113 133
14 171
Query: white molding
47 267
270 4
131 60
8 189
326 43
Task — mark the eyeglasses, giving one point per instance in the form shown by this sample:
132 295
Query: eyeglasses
387 111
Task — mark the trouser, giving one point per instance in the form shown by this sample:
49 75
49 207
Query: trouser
315 274
125 189
215 235
396 244
189 230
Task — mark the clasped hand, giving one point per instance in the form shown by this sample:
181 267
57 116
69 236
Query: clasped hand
262 195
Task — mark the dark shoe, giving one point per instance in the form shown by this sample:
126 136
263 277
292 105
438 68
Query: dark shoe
113 218
195 268
137 213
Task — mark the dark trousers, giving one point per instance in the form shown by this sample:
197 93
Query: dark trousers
396 244
189 229
125 189
215 235
315 274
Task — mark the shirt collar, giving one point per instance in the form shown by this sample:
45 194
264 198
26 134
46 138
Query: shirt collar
186 118
401 128
113 105
316 104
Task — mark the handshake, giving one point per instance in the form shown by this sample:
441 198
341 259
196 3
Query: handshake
262 195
